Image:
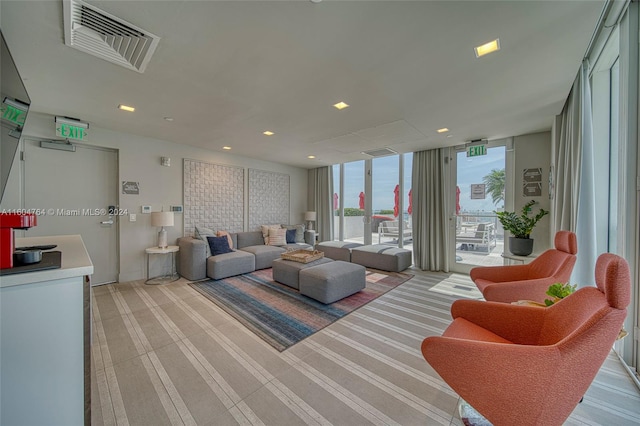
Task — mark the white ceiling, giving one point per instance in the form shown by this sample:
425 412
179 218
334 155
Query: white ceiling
227 71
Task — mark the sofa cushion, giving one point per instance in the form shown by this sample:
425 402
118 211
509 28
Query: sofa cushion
265 255
230 264
291 236
228 235
299 232
265 231
277 237
246 239
219 245
202 233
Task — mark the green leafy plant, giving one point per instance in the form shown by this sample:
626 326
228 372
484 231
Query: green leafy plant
350 211
520 226
559 291
494 182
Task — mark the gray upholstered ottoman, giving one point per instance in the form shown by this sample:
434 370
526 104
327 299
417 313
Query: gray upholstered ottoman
332 281
380 256
287 271
337 250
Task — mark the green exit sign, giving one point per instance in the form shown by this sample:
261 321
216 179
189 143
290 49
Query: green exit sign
13 114
476 150
69 131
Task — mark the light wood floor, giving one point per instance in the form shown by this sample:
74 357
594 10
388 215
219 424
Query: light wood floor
166 355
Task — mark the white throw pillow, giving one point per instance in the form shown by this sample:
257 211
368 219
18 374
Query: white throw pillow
299 232
277 237
202 233
265 231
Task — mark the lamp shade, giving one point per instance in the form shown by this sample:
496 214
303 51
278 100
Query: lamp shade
310 216
161 218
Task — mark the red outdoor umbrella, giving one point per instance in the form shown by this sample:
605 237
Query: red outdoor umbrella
396 200
361 204
410 209
335 201
457 200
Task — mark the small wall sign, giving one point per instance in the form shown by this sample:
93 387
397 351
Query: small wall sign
532 182
478 191
131 188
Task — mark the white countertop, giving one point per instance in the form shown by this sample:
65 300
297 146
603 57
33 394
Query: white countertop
75 260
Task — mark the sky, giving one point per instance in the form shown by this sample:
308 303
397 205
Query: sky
385 178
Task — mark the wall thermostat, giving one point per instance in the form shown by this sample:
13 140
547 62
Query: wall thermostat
146 209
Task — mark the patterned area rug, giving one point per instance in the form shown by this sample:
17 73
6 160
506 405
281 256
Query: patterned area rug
281 315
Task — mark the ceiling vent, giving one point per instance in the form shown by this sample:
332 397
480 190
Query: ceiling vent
98 33
381 152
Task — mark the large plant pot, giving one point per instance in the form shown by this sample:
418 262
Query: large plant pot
521 246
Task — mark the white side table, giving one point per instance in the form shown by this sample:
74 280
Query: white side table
510 259
166 278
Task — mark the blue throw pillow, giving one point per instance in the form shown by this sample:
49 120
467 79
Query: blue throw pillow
291 236
219 245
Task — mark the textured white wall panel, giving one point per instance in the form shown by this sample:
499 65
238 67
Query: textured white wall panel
213 197
268 198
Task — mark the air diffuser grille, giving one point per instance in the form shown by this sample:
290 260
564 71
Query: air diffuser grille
381 152
98 33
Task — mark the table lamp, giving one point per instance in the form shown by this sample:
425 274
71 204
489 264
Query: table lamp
162 219
310 217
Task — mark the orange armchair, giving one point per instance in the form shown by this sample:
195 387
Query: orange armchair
529 365
529 282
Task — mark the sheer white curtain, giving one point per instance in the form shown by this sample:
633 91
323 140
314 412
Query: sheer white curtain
320 200
430 225
574 187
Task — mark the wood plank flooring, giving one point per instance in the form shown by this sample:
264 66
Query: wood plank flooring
164 355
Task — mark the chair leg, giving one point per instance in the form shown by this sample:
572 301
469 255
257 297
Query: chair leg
469 415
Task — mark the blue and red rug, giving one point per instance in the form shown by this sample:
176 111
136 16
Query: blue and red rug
281 315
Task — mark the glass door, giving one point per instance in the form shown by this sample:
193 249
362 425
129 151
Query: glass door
372 201
479 177
351 202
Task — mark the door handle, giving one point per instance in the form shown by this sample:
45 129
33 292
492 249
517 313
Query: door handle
107 222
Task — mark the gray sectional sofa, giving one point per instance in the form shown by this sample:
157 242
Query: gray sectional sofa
250 254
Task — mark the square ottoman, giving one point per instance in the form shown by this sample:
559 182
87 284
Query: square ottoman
287 271
332 281
337 250
380 256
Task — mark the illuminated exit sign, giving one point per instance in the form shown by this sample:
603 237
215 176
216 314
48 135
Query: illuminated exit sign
71 129
13 111
476 150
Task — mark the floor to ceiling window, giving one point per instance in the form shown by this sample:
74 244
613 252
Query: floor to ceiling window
614 64
385 218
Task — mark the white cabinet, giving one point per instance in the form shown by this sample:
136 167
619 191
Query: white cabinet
44 323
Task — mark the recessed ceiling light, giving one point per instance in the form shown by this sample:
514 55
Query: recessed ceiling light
226 147
168 118
126 108
487 48
449 136
311 157
341 105
443 130
268 133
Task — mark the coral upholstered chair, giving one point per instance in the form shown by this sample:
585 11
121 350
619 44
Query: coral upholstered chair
529 365
531 281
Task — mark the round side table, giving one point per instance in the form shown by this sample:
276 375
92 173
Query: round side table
510 259
166 278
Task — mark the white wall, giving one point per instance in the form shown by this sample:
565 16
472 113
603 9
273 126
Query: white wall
160 187
533 151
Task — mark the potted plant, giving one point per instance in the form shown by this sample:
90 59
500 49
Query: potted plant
559 291
520 227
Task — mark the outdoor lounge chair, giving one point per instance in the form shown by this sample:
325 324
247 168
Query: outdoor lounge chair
391 228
